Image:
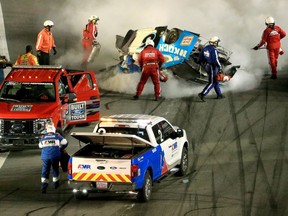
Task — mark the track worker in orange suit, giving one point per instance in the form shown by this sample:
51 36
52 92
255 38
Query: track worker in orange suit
28 58
150 61
45 43
90 33
271 37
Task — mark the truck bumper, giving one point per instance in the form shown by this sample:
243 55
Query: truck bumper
93 186
19 142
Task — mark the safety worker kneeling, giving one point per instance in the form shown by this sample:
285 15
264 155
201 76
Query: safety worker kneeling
51 144
150 61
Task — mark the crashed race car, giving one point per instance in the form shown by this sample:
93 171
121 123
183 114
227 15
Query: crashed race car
181 49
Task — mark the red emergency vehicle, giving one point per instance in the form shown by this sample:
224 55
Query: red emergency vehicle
32 95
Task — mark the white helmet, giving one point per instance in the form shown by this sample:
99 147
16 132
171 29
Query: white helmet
149 42
93 17
48 23
269 21
214 41
50 127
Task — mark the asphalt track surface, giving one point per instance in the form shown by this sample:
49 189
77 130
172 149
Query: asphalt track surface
238 159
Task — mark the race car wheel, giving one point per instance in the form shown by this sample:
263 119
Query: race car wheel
183 167
172 36
144 193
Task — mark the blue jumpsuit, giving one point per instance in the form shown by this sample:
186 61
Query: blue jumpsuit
209 56
51 144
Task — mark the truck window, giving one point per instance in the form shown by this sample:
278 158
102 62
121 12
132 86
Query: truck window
162 131
82 82
28 92
135 131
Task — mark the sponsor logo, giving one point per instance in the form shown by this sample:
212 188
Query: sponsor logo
173 50
21 108
187 40
100 167
113 168
174 146
84 166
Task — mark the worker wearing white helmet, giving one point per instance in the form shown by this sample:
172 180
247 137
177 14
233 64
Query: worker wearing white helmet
90 33
150 61
209 58
45 43
272 36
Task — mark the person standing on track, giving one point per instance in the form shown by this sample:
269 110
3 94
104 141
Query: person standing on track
45 43
150 61
90 33
51 144
209 57
28 58
272 36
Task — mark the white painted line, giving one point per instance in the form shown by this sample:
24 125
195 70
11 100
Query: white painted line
3 157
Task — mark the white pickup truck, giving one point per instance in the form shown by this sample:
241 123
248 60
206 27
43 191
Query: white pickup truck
127 152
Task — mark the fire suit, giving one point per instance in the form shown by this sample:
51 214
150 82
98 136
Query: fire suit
272 36
27 59
89 36
45 42
150 60
51 144
209 57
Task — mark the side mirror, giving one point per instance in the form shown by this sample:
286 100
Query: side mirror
178 133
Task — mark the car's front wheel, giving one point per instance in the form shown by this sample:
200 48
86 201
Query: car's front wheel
183 167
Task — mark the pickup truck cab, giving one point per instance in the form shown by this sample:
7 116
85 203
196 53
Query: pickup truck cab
32 95
127 152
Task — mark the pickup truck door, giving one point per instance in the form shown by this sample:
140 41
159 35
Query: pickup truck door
84 85
162 132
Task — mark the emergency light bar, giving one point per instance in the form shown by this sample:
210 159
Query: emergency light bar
39 66
126 120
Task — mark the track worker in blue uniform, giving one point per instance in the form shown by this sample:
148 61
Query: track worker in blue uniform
209 58
51 144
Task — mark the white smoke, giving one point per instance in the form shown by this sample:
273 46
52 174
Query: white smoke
239 25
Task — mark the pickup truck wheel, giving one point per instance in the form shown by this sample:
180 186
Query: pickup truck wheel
183 168
144 193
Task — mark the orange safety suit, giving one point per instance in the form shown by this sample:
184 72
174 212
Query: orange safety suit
27 59
150 60
272 36
45 41
89 35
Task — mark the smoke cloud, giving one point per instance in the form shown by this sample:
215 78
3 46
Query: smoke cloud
239 25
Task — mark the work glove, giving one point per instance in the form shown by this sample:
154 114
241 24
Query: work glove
256 47
38 53
54 51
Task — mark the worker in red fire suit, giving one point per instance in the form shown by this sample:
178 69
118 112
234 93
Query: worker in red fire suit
150 61
272 36
28 58
51 144
90 33
45 43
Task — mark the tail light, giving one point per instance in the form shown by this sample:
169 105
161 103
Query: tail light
69 166
134 170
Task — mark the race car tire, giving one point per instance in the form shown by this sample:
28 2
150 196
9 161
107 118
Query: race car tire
183 167
144 194
172 36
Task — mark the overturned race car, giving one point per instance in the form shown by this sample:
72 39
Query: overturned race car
181 49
